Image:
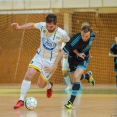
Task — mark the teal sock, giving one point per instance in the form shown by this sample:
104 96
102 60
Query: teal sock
75 89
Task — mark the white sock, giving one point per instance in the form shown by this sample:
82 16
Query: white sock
48 85
25 86
67 80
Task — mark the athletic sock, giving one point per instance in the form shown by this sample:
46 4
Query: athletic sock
25 86
48 85
85 76
75 89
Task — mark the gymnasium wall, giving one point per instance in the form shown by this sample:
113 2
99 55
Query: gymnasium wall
19 46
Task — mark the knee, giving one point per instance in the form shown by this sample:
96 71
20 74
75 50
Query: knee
76 77
41 85
28 76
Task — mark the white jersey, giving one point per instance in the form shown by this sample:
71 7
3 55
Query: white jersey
50 42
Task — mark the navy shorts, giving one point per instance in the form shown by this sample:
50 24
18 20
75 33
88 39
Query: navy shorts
75 63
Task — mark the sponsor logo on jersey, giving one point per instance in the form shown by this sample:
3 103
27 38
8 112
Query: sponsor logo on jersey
48 44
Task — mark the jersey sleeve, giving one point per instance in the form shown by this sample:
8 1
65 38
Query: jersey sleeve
72 44
92 36
39 25
66 38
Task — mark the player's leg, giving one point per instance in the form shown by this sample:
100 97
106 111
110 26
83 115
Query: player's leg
34 67
75 74
43 81
88 76
72 79
81 66
75 88
25 86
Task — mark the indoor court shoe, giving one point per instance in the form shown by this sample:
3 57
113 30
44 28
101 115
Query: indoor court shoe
91 79
68 105
49 91
19 104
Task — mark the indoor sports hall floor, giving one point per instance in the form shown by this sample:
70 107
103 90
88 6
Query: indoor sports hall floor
92 101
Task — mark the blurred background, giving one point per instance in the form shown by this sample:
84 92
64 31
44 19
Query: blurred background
19 46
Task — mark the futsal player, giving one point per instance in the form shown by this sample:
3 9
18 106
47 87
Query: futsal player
113 53
51 39
65 65
66 72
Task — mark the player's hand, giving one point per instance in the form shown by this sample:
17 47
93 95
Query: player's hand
15 25
50 69
82 55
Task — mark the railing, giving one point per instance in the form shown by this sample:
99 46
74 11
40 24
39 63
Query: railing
53 4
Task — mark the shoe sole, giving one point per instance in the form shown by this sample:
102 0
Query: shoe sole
66 107
18 107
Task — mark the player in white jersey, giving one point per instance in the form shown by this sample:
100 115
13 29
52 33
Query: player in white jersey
51 40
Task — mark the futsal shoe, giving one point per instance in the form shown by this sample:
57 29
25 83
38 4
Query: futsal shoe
49 91
19 104
68 105
91 79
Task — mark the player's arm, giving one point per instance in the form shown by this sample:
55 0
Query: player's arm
90 54
24 26
82 55
112 55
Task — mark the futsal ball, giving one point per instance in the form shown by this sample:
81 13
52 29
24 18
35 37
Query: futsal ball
30 103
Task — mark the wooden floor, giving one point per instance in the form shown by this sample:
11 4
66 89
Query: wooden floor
92 101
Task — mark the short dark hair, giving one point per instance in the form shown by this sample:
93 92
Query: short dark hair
86 29
51 18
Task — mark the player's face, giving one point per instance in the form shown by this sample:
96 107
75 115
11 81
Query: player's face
85 36
51 27
116 39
